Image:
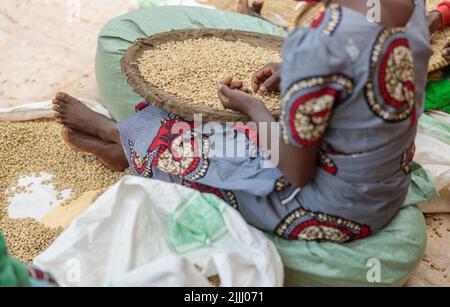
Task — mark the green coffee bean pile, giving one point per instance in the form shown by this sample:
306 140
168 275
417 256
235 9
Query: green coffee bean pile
31 148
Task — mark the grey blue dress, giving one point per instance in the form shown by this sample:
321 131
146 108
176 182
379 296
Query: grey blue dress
352 87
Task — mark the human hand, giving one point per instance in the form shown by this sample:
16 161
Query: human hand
236 96
446 51
267 78
434 21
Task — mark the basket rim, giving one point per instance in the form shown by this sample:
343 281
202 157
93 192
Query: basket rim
176 105
437 61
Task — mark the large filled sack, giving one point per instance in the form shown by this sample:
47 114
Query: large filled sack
145 232
121 32
386 258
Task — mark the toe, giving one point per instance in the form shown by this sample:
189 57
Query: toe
57 108
57 114
61 96
66 98
58 103
66 132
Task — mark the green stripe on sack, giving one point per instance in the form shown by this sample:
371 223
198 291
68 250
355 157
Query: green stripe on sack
435 128
196 223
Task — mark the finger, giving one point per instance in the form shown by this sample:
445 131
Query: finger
236 84
245 89
260 76
224 93
257 80
269 83
446 53
227 80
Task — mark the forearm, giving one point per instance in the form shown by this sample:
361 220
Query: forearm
258 114
298 165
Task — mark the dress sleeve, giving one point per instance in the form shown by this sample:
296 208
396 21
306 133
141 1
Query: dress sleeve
315 78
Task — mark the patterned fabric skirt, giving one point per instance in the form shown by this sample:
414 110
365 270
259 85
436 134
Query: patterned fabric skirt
225 161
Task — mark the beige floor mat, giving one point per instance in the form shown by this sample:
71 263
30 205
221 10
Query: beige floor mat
49 45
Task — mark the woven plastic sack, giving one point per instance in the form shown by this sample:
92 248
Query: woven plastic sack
397 249
435 127
145 232
433 153
121 32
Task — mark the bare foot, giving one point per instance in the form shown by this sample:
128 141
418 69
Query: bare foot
73 114
257 6
252 10
110 154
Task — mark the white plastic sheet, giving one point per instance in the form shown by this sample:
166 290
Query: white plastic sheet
434 155
122 240
41 109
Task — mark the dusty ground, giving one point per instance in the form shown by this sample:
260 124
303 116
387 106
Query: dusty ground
50 46
51 49
434 270
283 8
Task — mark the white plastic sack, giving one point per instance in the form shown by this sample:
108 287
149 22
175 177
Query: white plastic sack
434 155
41 109
145 232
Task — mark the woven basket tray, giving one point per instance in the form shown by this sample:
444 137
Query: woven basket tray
176 105
438 41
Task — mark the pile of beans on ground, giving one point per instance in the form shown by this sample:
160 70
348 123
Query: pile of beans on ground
30 148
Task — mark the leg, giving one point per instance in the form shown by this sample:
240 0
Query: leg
73 114
110 154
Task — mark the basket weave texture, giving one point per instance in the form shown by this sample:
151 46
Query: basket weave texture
176 105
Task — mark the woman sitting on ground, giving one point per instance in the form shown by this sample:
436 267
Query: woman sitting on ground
352 92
